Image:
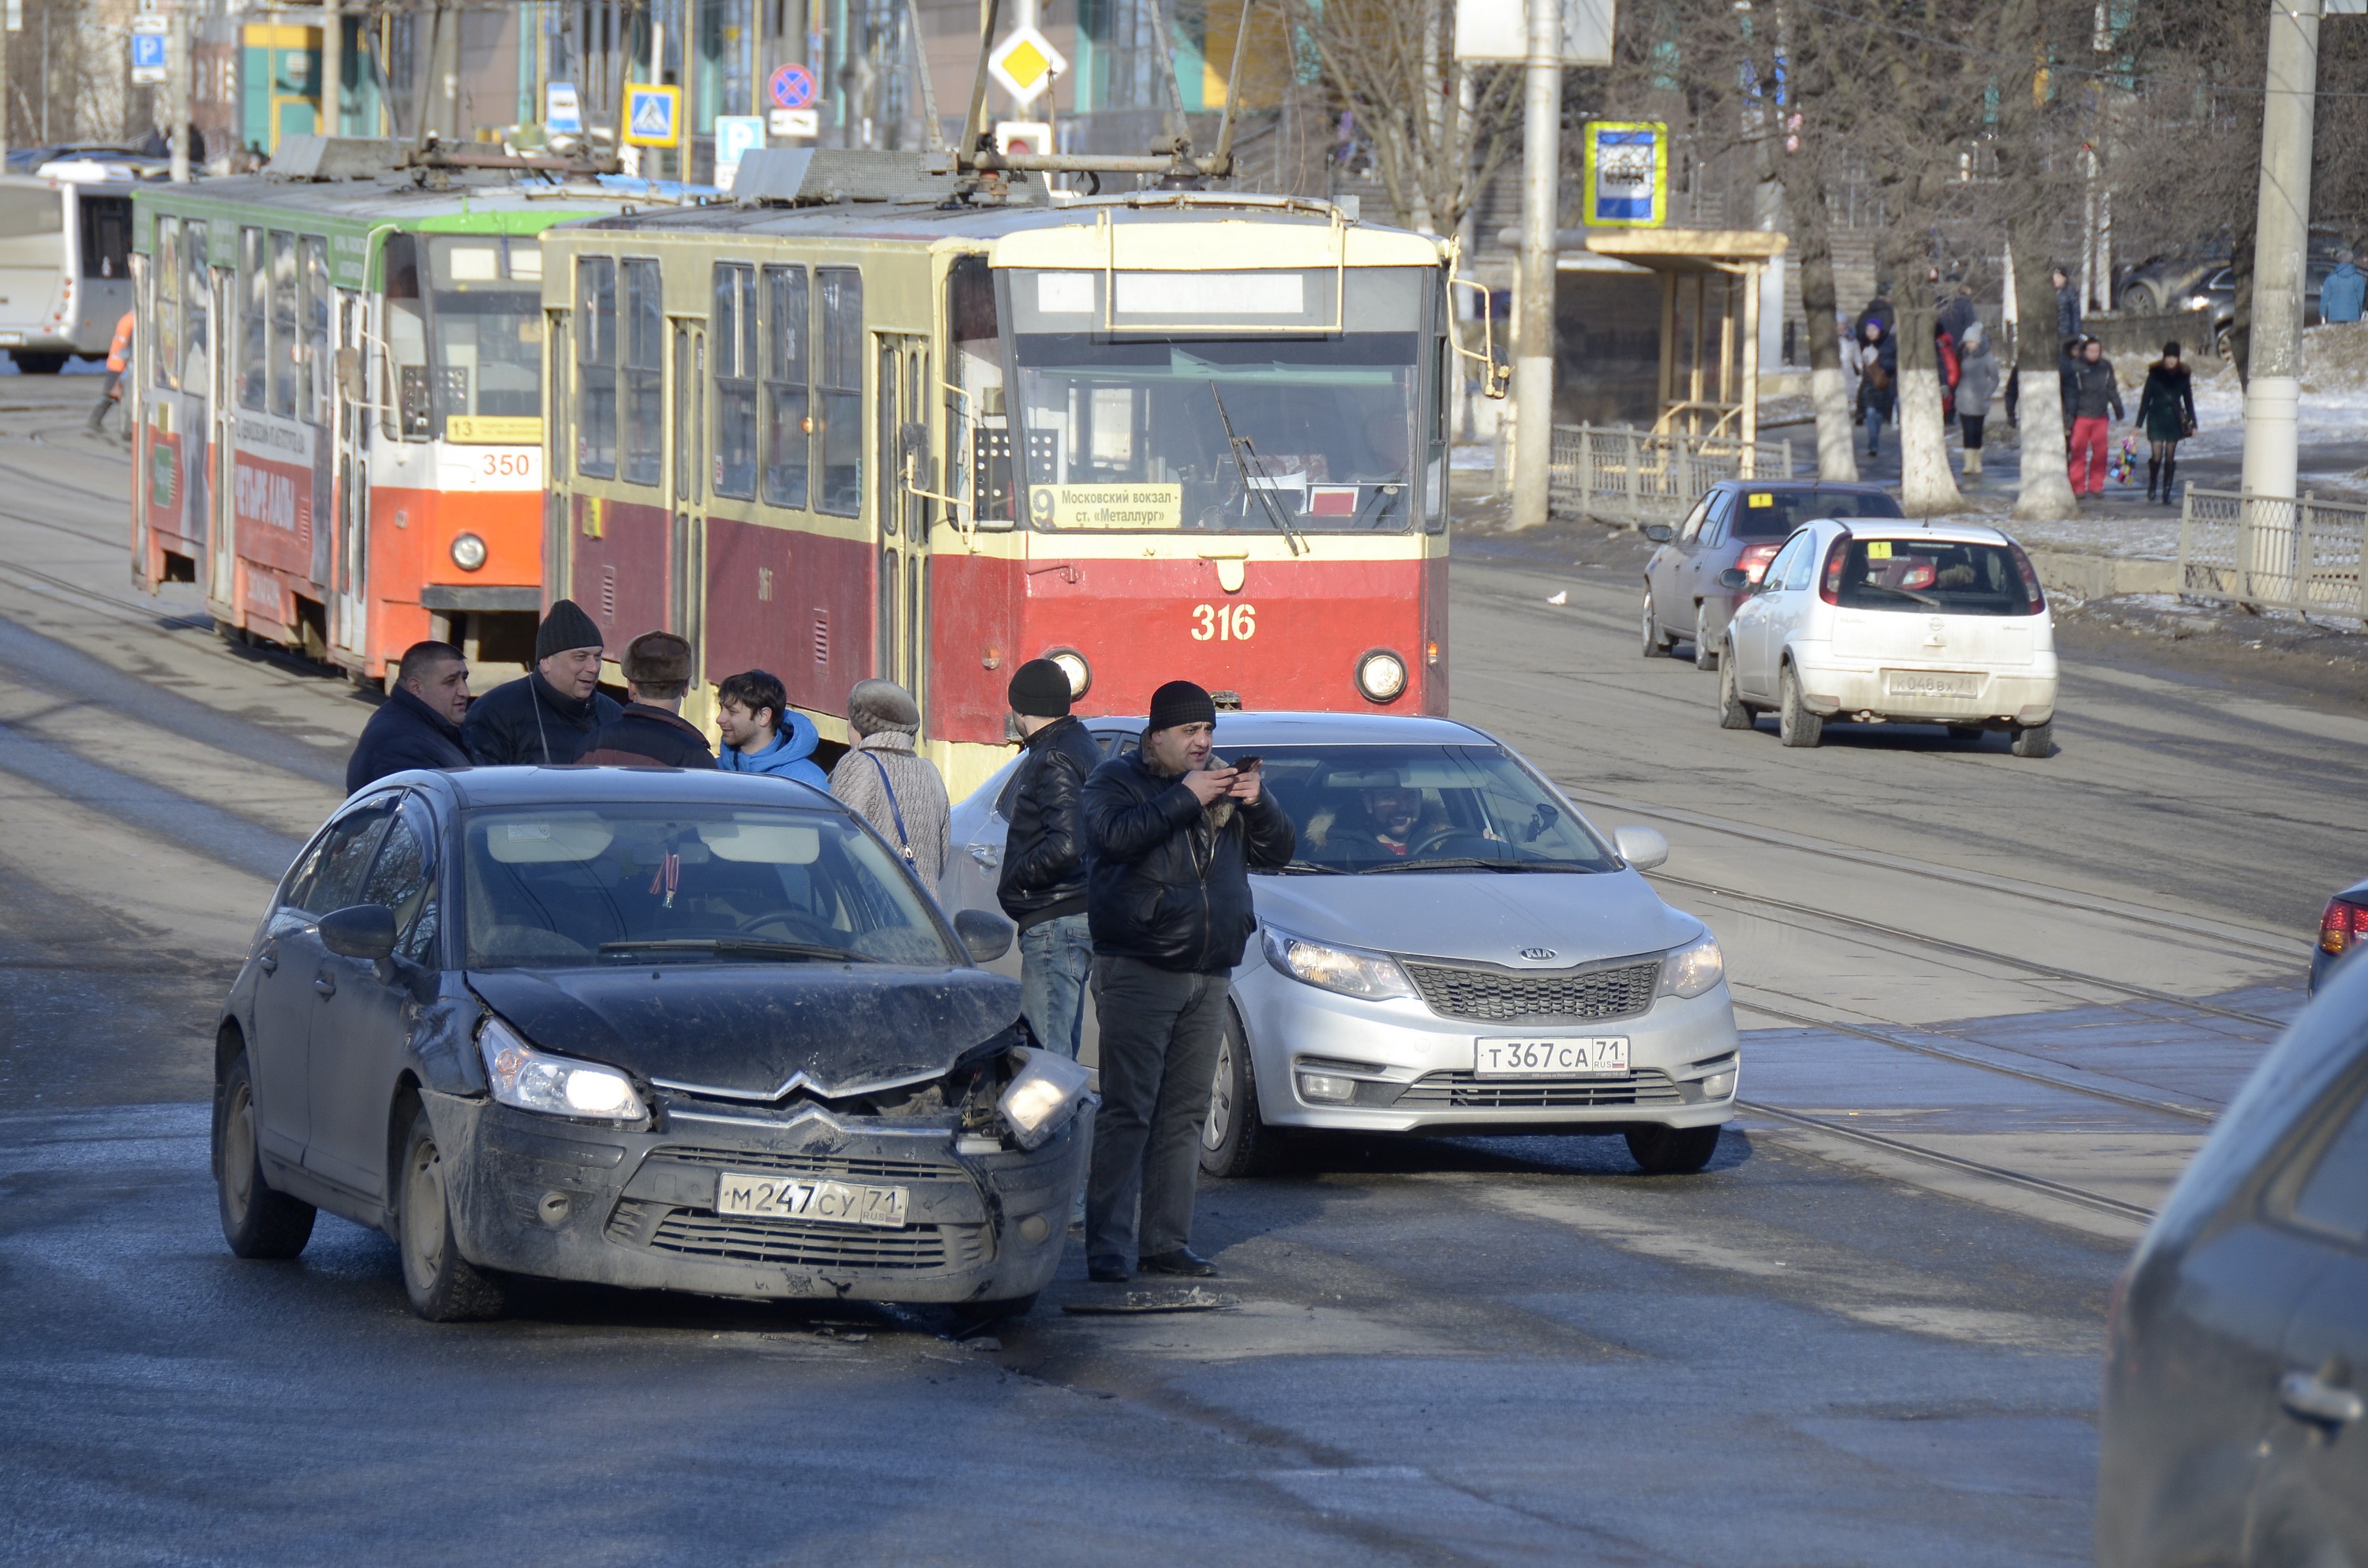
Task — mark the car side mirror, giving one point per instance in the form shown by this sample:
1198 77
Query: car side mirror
364 931
1736 578
1659 533
985 935
1641 848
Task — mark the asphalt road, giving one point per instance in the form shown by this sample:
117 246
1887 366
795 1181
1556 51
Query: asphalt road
1993 1002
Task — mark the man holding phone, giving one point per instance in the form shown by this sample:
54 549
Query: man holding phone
1171 833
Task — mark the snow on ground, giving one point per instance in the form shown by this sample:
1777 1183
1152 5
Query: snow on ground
2334 409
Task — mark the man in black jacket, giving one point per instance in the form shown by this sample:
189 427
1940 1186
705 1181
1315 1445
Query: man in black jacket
1170 842
419 723
651 732
548 716
1043 882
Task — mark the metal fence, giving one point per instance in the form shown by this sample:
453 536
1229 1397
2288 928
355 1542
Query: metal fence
1638 476
2273 553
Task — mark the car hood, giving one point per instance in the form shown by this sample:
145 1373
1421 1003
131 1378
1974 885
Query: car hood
755 1030
1485 915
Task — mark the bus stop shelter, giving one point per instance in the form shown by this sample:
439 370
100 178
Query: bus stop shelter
1709 327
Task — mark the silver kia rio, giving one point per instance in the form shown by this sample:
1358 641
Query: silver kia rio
1454 948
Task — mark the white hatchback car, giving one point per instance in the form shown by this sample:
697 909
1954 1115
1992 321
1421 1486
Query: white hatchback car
1874 621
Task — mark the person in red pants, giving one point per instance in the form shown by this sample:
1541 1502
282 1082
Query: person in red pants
2094 400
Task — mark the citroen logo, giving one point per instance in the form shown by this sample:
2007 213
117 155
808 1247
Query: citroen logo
1537 955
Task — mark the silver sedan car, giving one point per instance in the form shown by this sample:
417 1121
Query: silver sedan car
1455 949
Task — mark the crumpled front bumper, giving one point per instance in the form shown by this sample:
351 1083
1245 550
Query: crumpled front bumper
565 1201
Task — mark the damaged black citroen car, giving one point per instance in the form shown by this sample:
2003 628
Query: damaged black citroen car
690 1031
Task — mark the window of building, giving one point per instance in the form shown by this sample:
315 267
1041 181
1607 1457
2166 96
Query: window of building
787 446
644 374
254 318
595 367
735 337
839 392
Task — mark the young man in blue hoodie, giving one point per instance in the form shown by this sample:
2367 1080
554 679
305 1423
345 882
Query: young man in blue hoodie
762 734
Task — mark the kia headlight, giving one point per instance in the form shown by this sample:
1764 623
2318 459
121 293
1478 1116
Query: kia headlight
1351 974
1044 1097
1693 968
554 1085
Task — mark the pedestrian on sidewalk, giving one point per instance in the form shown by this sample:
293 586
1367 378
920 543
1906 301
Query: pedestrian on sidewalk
762 734
2167 410
895 788
119 359
1978 381
1879 310
548 716
2096 404
2342 292
1043 882
1172 834
1878 390
419 725
2067 304
650 730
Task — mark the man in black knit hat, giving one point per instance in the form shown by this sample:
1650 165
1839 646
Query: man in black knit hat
1171 834
1043 882
553 714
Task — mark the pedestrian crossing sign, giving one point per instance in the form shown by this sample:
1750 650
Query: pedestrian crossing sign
653 116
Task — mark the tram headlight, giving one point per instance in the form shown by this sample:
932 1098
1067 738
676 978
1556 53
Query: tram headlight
468 551
1072 664
1382 676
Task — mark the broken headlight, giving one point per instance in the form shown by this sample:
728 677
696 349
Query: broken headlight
1045 1096
556 1085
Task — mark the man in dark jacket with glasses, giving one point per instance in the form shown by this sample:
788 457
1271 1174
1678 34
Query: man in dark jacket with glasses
1172 836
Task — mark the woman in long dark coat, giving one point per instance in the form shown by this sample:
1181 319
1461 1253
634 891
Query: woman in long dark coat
2167 410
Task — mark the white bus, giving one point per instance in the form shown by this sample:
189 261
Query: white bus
65 251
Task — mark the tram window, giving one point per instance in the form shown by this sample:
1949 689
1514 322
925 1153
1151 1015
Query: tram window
106 236
734 336
406 341
254 318
315 317
485 294
786 445
644 374
32 228
595 367
166 277
839 395
287 348
197 309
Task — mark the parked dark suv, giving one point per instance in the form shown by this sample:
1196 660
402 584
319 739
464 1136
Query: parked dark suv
1739 522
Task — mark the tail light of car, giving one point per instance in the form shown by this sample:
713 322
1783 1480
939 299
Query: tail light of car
1829 578
2032 592
2343 927
1755 559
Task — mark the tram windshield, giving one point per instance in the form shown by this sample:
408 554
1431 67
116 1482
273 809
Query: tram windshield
487 310
1274 427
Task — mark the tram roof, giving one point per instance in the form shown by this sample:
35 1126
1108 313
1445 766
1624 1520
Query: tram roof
500 204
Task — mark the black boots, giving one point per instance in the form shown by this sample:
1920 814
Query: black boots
2169 495
2153 476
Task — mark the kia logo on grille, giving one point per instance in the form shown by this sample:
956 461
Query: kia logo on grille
1537 955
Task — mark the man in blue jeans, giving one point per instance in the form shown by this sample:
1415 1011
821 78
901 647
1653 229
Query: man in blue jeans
1043 882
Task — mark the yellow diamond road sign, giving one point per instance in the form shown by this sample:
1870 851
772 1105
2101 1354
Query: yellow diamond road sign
1025 63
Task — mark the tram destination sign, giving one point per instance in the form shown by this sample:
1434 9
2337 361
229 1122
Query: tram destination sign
1107 506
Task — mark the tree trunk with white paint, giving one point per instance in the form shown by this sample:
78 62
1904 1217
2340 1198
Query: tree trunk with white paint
1926 487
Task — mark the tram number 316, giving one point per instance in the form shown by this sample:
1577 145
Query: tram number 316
1225 623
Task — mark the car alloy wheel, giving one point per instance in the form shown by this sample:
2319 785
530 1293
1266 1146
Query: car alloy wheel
442 1285
1235 1138
1656 641
1705 650
256 1221
1794 723
1734 713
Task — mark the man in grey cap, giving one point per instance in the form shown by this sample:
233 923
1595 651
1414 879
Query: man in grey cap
552 715
1043 882
1171 836
896 789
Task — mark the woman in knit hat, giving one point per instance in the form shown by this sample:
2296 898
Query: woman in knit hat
896 789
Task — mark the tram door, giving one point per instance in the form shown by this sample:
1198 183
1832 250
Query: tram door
901 434
349 479
687 551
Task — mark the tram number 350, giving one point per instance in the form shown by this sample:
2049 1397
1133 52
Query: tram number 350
1225 623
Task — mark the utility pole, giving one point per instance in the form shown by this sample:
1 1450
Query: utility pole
333 66
2281 250
9 24
1540 203
176 89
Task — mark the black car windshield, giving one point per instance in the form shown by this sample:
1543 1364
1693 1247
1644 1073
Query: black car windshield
587 884
1370 810
1929 576
1774 514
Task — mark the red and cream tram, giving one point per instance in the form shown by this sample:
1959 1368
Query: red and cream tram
1169 434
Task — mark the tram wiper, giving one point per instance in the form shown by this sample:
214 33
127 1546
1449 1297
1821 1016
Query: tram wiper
1238 445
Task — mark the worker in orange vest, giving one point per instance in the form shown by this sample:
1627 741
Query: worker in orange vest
119 359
